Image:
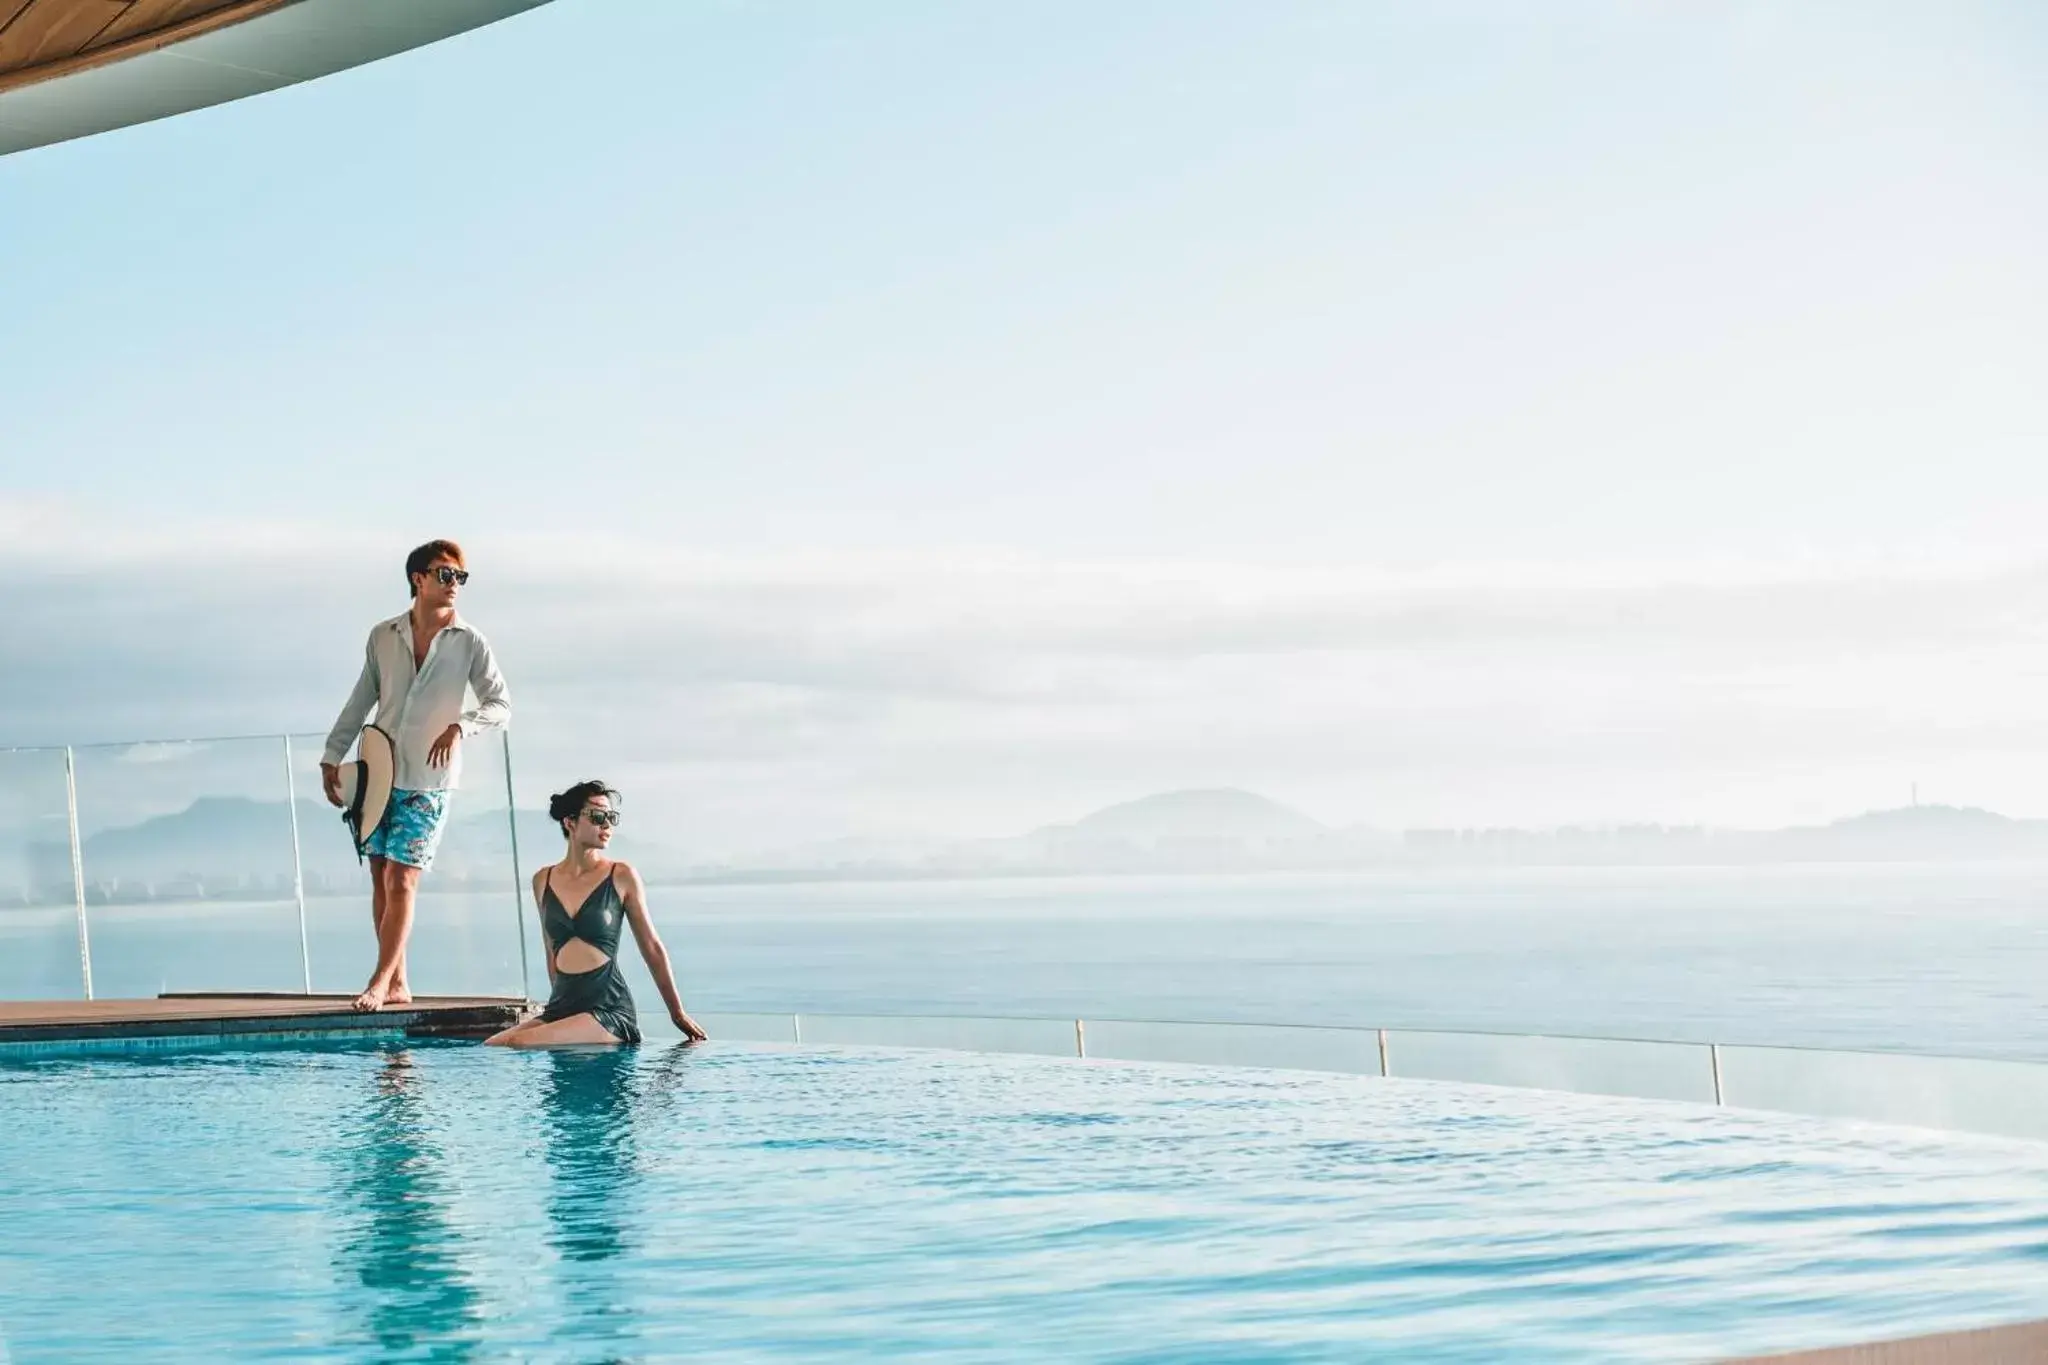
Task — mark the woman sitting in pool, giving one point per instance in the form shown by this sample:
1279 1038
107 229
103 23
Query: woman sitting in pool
590 1003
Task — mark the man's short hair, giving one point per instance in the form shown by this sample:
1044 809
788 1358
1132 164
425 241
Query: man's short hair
422 559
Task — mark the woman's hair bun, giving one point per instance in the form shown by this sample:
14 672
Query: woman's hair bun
564 806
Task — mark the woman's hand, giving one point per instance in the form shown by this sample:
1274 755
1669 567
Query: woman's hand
691 1032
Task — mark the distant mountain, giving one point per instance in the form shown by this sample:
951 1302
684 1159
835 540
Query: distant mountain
218 837
484 836
1909 834
1228 830
1916 832
232 846
226 845
1215 813
1968 821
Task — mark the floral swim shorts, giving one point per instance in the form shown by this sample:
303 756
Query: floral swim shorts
411 828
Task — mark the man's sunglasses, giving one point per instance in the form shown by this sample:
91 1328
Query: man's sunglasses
448 575
603 819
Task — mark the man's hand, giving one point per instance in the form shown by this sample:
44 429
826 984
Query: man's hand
691 1031
330 782
444 747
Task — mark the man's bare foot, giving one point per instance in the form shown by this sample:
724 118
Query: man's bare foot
372 1000
399 994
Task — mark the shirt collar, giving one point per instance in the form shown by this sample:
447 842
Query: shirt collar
403 622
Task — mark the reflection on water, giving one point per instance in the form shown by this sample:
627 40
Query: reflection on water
589 1114
400 1243
407 1245
593 1106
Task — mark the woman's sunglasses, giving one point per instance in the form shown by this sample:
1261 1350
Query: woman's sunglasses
447 575
603 819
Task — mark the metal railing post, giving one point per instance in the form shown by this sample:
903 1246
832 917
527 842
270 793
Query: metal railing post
1384 1072
77 869
796 1028
518 882
291 803
1080 1038
1714 1057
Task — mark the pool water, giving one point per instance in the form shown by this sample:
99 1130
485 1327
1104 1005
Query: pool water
445 1202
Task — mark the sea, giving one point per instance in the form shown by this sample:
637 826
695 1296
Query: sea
1946 959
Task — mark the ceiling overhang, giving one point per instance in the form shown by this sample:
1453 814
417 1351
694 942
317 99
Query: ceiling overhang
70 68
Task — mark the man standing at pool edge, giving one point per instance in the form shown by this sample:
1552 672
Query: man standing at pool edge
417 669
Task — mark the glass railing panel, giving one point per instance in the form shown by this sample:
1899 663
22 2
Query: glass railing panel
723 1026
468 917
38 911
338 931
1593 1066
469 906
1053 1037
2007 1098
187 852
704 977
1287 1046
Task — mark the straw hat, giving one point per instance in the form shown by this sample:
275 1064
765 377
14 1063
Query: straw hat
366 785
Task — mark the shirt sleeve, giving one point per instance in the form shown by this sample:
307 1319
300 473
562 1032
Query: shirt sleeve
356 709
493 702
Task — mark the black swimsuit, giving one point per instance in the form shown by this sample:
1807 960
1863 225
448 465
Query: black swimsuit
601 992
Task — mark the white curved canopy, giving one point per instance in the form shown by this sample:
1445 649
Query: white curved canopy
70 68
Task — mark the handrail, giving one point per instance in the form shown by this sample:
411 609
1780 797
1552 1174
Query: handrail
157 739
1459 1032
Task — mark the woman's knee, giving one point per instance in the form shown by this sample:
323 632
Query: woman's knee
578 1030
509 1037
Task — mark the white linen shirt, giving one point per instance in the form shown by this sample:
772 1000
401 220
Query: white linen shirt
415 705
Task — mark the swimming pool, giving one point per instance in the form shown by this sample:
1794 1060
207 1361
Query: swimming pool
444 1202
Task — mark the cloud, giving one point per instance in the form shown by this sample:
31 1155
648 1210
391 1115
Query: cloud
751 700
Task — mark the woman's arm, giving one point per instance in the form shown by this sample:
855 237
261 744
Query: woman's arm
652 950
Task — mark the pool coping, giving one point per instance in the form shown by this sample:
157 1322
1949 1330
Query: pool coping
2004 1344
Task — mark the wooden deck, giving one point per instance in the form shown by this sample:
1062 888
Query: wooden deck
200 1018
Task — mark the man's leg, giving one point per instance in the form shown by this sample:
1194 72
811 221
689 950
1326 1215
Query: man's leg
400 884
376 896
401 992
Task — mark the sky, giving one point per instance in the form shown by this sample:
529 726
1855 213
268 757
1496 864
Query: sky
946 419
